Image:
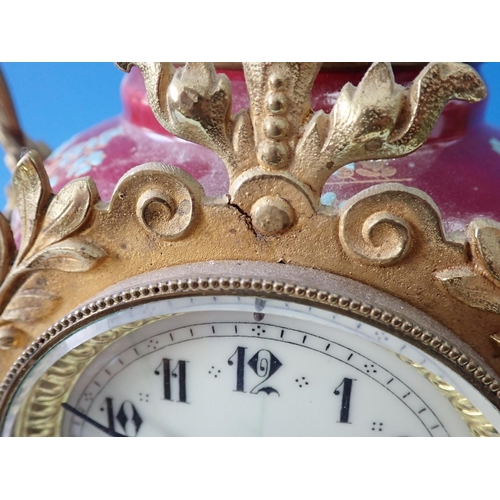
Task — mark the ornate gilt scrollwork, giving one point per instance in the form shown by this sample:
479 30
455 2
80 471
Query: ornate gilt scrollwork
278 154
380 224
164 200
477 282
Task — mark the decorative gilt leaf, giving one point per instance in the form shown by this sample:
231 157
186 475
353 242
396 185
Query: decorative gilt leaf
436 84
72 255
157 77
484 238
67 211
30 302
381 119
367 112
192 102
200 106
32 192
7 247
471 288
243 142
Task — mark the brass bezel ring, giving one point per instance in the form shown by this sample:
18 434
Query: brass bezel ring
334 293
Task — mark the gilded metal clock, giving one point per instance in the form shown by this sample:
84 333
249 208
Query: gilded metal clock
266 311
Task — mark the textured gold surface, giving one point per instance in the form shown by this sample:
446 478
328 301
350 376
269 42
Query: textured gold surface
389 237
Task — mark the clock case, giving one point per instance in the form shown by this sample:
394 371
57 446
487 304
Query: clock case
385 248
38 404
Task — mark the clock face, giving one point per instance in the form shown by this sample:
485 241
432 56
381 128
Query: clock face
231 365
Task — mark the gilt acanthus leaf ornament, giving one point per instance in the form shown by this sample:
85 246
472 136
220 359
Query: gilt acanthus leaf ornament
49 224
281 133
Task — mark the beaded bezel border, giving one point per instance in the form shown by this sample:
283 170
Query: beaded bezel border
480 377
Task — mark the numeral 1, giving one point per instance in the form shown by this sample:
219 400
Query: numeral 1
346 385
240 368
178 372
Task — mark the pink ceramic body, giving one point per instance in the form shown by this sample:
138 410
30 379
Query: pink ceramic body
459 166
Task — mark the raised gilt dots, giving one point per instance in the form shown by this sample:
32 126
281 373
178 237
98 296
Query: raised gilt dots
276 103
276 82
275 127
274 151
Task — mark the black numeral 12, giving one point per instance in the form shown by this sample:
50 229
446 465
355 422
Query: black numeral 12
346 385
263 363
179 372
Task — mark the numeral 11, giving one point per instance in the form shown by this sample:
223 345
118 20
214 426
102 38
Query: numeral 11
179 372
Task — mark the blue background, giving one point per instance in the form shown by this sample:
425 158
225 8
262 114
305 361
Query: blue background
54 101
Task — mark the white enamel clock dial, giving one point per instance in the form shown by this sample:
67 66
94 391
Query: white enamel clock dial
231 366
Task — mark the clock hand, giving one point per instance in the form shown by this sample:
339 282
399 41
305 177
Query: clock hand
91 421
